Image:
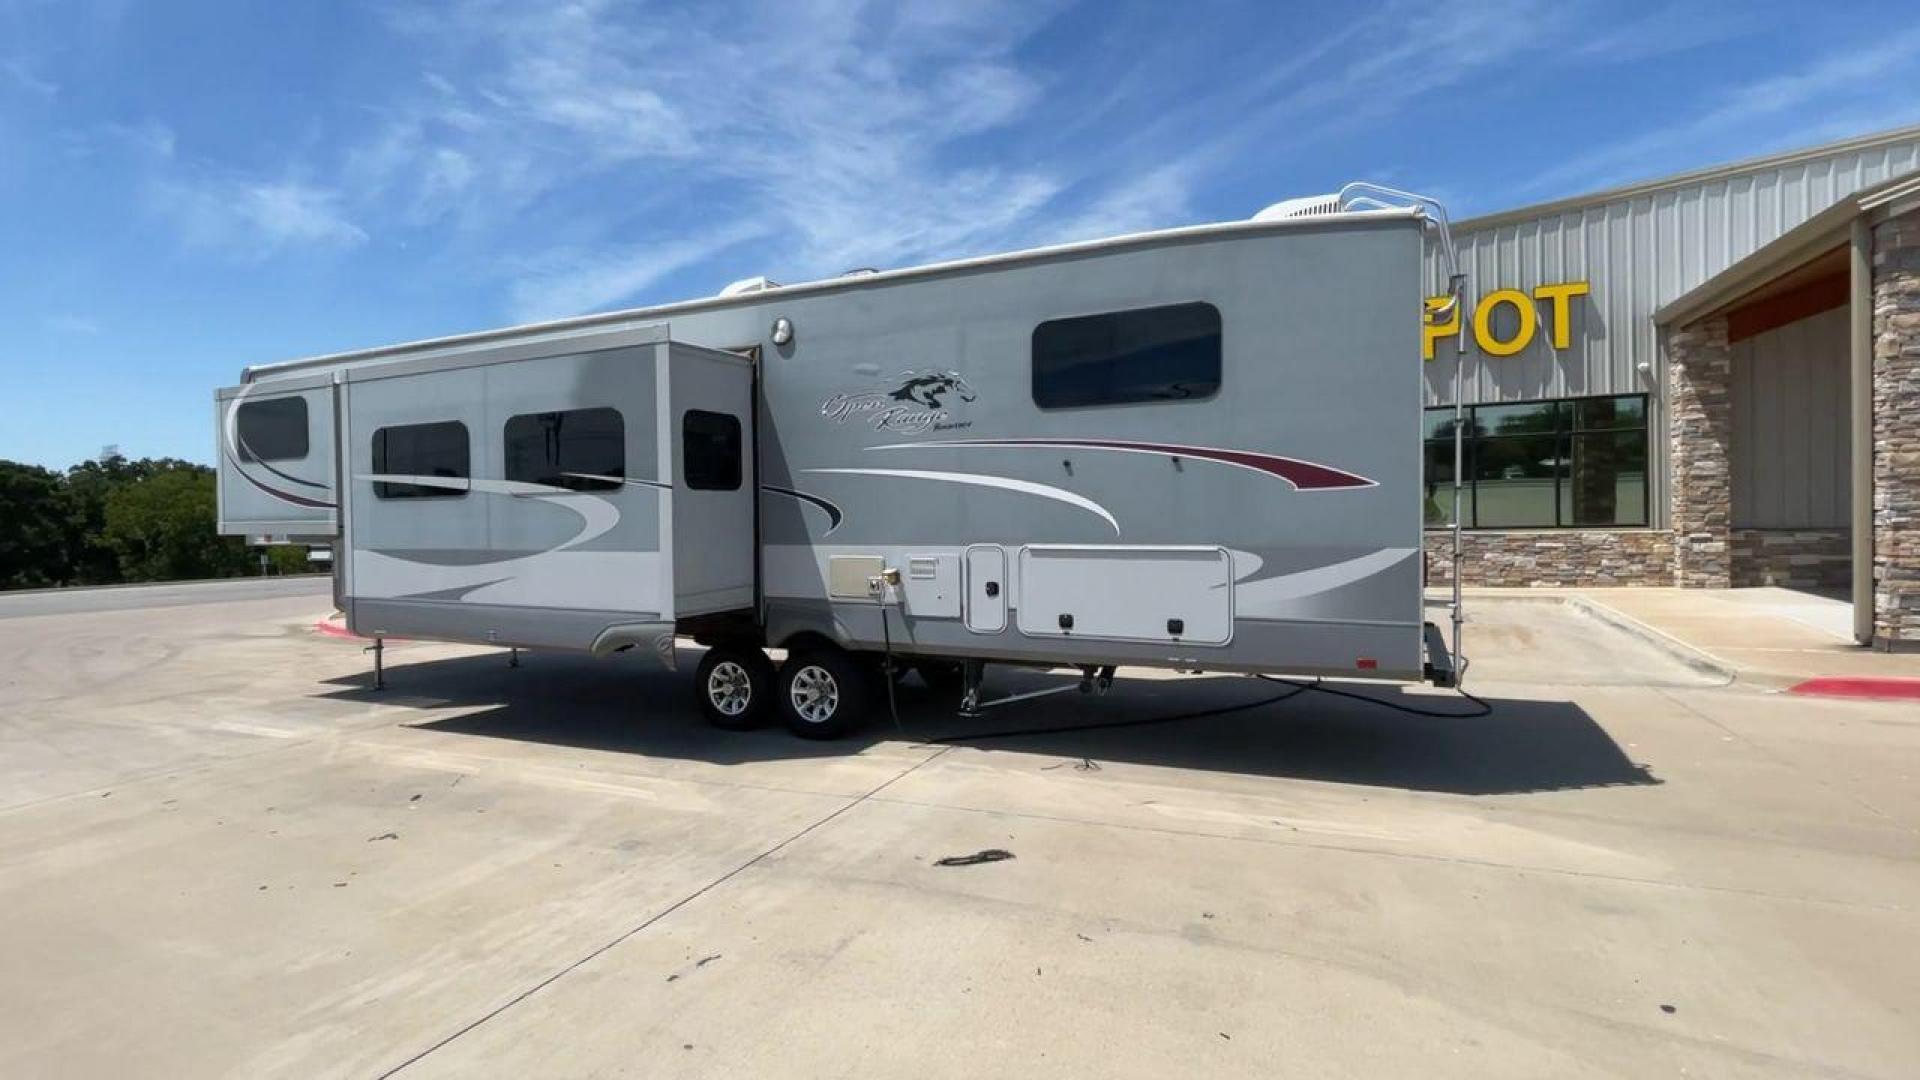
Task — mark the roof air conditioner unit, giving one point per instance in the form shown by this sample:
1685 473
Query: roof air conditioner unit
757 283
1304 206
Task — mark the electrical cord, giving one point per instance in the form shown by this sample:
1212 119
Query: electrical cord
1198 714
886 669
1483 708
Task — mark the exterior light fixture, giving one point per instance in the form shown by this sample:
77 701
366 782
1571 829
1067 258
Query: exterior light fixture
782 330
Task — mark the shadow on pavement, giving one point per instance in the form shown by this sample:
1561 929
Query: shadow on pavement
616 706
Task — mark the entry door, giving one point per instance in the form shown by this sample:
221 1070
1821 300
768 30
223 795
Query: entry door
986 589
708 419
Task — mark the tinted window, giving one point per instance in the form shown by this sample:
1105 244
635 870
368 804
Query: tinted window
1149 354
1515 480
437 450
583 449
274 430
1543 464
1601 414
710 451
1531 418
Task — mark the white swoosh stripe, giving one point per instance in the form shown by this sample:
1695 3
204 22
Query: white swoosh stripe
597 515
1319 579
1024 487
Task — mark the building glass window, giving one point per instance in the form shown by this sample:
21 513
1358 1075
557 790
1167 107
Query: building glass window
1543 464
272 430
1162 354
710 451
438 450
581 449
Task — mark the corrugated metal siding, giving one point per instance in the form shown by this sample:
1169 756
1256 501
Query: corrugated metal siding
1638 252
1789 449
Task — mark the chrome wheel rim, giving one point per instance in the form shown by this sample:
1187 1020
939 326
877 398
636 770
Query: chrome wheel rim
815 693
730 688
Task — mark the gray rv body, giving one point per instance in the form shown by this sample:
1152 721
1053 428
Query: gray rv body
1274 526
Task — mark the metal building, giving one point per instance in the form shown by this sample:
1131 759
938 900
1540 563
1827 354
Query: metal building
1578 456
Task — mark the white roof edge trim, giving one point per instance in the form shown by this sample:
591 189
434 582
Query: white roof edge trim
858 281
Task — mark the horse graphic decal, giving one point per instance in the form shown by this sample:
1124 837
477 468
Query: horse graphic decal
926 389
912 403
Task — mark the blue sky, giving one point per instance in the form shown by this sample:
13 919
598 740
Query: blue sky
187 188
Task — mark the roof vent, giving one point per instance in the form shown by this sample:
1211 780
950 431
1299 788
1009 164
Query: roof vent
757 283
1304 206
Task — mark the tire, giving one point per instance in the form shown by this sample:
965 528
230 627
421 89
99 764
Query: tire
824 693
735 686
943 677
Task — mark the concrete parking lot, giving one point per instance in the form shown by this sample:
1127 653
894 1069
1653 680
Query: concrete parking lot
222 854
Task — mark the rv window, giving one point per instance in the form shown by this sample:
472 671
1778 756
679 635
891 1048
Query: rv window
422 450
710 451
582 449
1150 354
272 430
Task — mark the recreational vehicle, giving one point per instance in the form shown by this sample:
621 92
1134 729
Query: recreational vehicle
1197 448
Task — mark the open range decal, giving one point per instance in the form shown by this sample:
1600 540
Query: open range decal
912 403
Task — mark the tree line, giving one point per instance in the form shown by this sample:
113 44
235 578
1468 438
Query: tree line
111 520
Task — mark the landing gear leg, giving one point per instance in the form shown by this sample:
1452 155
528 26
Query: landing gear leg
971 672
379 651
513 657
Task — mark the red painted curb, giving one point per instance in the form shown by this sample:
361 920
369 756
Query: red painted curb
335 629
1860 686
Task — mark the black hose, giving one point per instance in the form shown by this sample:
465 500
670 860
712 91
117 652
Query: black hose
886 670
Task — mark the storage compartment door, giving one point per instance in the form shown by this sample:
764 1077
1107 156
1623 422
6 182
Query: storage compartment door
707 420
1158 594
986 589
276 459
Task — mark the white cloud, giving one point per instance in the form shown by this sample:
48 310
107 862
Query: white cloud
67 322
1402 57
565 283
1851 72
149 137
832 125
578 154
846 131
1677 28
23 77
1154 200
1407 53
255 219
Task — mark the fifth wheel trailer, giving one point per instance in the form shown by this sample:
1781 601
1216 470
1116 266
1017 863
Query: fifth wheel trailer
1197 448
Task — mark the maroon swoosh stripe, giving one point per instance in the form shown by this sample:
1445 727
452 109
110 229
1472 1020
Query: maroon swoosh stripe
283 496
1303 475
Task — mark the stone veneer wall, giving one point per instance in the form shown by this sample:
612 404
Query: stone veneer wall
1569 557
1701 429
1796 558
1896 430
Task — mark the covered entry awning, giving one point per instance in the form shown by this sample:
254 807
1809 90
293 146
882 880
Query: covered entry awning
1823 264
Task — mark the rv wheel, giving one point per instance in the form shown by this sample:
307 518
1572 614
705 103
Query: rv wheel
823 693
735 685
